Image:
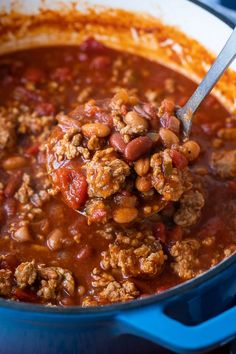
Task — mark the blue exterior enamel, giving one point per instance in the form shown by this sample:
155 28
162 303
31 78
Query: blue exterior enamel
28 329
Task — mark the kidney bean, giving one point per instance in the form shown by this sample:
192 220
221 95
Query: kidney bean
10 207
117 142
159 232
178 159
85 252
13 184
170 122
137 147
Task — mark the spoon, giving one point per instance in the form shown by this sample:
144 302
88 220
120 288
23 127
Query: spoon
228 53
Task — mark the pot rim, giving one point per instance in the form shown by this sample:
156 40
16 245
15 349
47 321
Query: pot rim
109 309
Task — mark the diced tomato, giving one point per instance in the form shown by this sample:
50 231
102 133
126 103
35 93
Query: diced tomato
178 159
73 186
32 150
159 232
25 295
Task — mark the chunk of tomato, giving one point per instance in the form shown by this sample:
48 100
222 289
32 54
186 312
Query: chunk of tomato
73 186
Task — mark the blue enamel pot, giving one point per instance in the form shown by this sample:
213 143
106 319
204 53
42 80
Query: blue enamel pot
191 318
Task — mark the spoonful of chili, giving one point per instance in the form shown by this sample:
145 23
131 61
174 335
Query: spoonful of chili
186 113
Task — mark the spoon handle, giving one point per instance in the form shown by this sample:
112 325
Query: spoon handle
226 56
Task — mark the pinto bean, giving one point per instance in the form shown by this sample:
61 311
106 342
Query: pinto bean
168 137
191 150
125 215
22 234
14 162
81 290
142 166
54 239
137 147
143 184
134 119
117 142
98 129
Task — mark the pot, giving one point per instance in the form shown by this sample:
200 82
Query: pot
192 317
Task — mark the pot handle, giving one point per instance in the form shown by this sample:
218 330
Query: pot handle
151 322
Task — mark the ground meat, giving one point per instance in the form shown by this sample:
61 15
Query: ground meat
33 123
107 289
25 274
105 173
168 181
185 258
6 282
137 254
53 280
191 205
7 130
223 163
25 191
97 211
69 146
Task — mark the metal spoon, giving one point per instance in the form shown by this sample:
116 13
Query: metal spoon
226 56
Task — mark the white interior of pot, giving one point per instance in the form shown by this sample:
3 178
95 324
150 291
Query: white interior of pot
191 19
